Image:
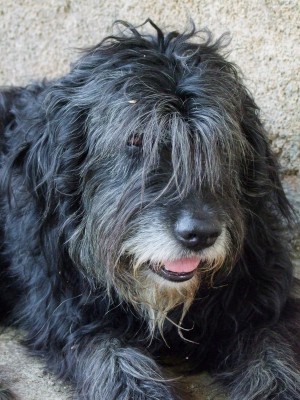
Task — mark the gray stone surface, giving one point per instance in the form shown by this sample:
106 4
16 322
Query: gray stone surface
38 39
26 375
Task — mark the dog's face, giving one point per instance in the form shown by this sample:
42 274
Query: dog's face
163 183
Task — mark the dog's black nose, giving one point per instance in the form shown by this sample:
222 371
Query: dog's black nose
196 233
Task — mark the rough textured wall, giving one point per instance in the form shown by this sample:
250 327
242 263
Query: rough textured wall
38 39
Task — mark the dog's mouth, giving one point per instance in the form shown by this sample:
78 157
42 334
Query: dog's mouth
178 270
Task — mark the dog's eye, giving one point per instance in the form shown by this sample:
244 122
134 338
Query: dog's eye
135 142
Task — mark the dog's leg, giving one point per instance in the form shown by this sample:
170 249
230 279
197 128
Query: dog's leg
104 369
261 366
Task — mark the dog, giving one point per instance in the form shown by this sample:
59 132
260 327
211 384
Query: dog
143 224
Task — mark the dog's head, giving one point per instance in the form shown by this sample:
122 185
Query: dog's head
173 165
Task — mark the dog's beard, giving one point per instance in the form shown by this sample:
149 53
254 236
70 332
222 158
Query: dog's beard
153 296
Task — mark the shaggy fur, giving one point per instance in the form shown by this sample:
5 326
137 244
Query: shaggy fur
150 150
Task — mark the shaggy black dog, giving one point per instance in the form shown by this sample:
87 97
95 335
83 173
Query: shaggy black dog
141 224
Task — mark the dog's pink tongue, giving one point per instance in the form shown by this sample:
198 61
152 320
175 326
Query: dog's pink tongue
182 264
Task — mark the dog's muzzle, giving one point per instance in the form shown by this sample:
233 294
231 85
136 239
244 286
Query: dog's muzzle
194 234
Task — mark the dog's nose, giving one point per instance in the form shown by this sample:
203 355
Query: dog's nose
195 233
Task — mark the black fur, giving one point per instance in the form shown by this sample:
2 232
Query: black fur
145 129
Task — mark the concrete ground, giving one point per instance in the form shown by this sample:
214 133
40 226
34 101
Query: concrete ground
25 375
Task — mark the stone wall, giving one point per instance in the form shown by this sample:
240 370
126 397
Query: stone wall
38 39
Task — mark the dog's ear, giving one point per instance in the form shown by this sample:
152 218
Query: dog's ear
268 219
51 148
261 178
